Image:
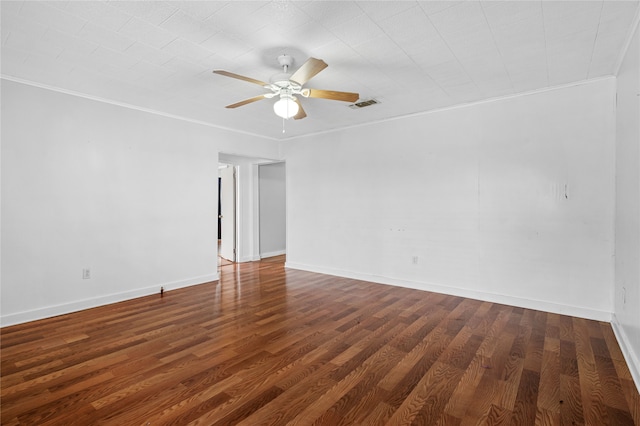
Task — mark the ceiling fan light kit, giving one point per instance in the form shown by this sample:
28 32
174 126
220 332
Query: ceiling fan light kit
286 106
285 85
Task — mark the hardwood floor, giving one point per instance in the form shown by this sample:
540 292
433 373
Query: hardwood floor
266 345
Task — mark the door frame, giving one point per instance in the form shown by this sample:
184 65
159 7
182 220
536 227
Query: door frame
228 252
247 203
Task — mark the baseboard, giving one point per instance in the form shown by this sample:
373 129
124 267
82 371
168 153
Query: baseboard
79 305
632 359
272 253
540 305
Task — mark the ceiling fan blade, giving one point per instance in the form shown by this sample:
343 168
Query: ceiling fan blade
247 101
308 70
240 77
301 113
333 95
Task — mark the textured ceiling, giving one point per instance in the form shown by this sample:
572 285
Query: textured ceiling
410 56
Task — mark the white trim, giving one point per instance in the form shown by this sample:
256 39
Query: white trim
272 253
540 305
632 359
627 43
79 305
130 106
456 106
255 193
292 138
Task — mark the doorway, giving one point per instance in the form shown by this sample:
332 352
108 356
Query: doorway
243 176
272 209
227 213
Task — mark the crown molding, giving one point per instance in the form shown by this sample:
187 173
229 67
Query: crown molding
293 138
129 106
625 48
458 106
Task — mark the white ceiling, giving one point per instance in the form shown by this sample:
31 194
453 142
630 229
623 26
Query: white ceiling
412 56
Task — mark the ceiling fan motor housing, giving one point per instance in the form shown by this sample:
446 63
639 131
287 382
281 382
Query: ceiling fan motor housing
282 80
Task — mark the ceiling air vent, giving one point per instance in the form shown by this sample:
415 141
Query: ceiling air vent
363 104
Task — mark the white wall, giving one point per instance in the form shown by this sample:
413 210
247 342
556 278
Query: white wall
626 320
129 194
272 209
475 194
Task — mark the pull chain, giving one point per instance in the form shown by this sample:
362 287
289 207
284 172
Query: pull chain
282 124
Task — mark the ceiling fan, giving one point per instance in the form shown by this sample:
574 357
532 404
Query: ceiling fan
285 86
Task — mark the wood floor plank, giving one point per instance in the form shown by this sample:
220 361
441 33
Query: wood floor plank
462 395
525 408
571 411
272 346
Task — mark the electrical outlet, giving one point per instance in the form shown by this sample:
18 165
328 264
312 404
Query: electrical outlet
624 295
415 260
86 274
